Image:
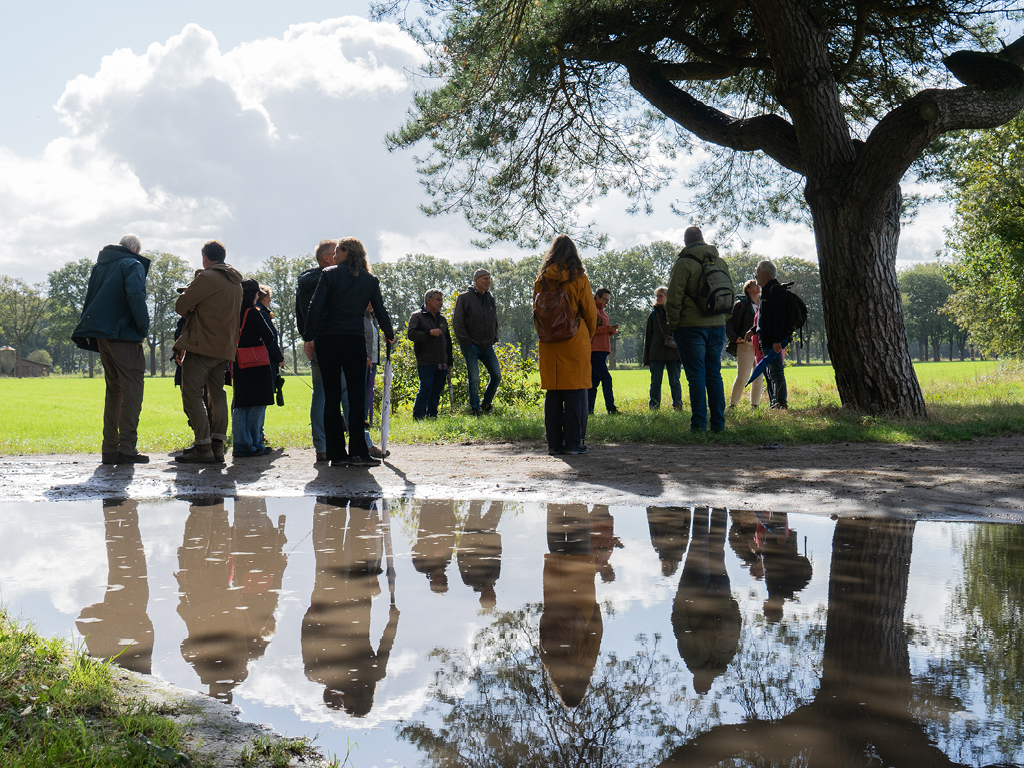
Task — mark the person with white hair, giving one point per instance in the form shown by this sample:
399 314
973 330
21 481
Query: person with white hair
115 323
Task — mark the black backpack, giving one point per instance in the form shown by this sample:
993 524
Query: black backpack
796 310
714 288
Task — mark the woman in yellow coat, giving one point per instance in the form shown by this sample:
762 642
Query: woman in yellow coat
565 365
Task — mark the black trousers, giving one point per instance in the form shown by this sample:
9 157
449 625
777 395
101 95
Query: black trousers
565 418
336 354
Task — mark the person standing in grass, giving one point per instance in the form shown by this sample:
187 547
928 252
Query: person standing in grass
211 306
744 313
115 322
661 354
326 251
600 349
565 365
253 387
432 343
772 332
476 327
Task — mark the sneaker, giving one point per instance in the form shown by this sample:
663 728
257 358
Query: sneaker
487 408
559 452
677 406
198 455
345 461
375 453
363 461
576 451
613 409
732 405
321 456
476 412
132 458
109 458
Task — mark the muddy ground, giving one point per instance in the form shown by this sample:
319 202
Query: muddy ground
982 478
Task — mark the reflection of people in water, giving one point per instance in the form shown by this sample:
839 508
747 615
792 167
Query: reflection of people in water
602 526
479 554
765 543
336 647
670 532
570 625
705 615
119 625
229 578
435 542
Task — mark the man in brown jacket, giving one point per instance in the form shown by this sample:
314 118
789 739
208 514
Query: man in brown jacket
211 306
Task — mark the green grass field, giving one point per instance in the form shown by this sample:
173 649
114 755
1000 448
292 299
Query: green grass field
64 415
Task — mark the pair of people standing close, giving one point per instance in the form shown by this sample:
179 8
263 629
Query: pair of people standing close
335 320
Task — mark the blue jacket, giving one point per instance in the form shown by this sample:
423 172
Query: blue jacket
115 303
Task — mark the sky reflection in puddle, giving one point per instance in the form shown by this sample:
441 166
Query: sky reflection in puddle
512 634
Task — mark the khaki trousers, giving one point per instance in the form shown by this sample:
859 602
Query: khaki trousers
124 369
744 366
197 372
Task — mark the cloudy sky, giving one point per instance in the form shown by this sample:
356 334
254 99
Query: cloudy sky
258 123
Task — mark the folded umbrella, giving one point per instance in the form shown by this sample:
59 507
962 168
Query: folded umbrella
770 355
385 403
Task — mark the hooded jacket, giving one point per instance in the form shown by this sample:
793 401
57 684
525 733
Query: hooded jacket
681 309
115 301
566 364
475 318
211 306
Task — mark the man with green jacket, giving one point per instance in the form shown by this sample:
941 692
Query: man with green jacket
699 336
115 322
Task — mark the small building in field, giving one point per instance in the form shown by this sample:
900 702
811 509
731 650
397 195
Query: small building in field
14 367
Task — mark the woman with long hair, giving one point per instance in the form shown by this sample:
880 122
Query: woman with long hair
335 320
565 364
253 387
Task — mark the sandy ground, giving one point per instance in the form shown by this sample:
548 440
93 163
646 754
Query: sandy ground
982 478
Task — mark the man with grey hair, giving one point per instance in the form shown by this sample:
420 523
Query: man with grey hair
772 333
476 327
115 323
326 255
432 343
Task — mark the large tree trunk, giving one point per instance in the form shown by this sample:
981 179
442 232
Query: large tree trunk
856 242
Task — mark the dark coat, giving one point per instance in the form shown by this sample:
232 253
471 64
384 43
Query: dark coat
475 318
654 339
771 327
305 285
115 301
256 386
339 304
741 320
430 350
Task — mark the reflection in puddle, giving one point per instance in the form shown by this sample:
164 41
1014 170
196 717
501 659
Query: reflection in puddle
571 634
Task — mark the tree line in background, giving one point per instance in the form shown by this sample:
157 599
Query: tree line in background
38 319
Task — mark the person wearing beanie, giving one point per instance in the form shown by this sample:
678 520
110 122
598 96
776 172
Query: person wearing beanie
699 336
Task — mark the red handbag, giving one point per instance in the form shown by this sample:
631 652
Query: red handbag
251 357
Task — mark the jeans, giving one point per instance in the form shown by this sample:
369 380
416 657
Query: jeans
247 428
600 377
337 354
775 378
432 381
565 418
700 350
199 371
474 356
124 368
316 409
657 369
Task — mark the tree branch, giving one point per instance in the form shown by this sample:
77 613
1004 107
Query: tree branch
771 134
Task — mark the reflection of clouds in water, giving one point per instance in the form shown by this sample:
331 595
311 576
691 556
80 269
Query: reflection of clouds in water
70 570
638 577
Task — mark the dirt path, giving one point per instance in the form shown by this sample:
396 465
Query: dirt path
980 478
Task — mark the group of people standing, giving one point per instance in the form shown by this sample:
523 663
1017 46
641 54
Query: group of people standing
226 335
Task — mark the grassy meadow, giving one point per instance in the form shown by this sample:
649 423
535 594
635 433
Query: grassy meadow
64 415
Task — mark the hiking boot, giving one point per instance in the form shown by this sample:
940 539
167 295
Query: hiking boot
376 453
109 458
199 454
132 458
217 446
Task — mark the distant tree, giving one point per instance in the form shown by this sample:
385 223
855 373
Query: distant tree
66 295
512 284
404 282
280 274
22 310
41 356
537 108
167 272
924 292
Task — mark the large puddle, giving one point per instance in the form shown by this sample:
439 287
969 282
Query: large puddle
444 633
